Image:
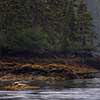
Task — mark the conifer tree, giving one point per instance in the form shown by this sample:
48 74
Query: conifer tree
70 32
85 35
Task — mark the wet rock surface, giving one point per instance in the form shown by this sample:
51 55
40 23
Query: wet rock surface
13 70
20 86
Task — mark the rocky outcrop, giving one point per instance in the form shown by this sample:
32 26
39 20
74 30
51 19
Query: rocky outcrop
43 71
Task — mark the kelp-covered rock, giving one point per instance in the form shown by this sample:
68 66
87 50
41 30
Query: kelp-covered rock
44 70
20 86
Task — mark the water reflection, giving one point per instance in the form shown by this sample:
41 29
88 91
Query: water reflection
88 89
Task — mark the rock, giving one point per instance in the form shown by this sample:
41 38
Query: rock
28 70
20 86
27 65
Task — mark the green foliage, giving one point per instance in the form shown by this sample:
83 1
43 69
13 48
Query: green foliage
45 25
84 25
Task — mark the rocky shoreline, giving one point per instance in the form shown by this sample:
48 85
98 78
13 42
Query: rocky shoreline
48 69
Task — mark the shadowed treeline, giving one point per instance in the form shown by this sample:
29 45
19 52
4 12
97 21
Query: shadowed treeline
35 27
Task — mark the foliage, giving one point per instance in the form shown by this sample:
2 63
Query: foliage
45 25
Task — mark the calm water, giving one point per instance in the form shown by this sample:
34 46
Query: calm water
88 89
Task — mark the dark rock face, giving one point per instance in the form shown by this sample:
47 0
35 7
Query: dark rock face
50 72
29 71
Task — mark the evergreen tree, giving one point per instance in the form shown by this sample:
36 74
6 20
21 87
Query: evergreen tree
85 35
69 35
52 19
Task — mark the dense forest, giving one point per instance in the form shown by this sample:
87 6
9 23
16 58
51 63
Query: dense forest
47 41
44 26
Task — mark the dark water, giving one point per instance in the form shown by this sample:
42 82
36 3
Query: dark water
88 89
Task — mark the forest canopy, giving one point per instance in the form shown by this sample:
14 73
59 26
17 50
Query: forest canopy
39 26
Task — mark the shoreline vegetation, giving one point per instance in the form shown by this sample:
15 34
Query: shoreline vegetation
54 68
47 40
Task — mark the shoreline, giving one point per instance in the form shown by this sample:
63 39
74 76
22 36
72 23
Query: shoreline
44 69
